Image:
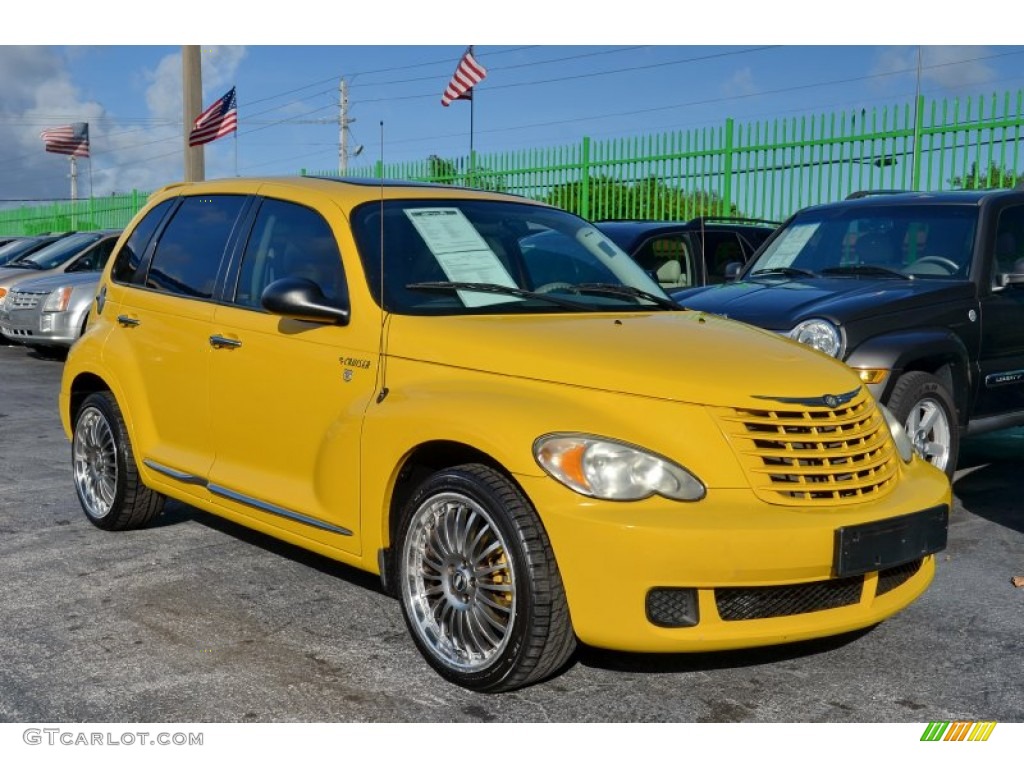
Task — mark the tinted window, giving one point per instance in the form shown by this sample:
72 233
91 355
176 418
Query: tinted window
130 255
289 240
1009 250
189 251
720 249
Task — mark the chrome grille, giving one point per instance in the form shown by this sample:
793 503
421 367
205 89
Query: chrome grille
813 455
17 300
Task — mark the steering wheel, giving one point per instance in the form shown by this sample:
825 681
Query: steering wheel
941 261
556 286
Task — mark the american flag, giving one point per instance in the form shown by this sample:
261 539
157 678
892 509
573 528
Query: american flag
467 74
219 119
68 139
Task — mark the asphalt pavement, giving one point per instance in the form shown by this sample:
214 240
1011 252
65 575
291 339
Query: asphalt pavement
196 619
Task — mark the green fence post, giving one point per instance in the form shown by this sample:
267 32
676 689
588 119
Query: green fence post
730 126
379 169
585 179
916 158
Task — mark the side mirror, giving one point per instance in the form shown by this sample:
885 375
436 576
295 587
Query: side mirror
302 299
732 271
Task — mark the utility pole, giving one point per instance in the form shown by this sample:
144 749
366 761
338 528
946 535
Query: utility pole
192 101
343 123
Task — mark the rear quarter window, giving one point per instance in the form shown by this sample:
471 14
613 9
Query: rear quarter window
188 253
129 258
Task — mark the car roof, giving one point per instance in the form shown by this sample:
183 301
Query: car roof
350 190
887 199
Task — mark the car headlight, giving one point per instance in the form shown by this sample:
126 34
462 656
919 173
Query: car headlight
58 300
3 297
608 469
820 334
904 445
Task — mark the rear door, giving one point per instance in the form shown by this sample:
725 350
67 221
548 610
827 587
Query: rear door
159 338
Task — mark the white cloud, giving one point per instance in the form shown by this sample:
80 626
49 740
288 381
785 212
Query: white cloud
741 83
952 69
128 152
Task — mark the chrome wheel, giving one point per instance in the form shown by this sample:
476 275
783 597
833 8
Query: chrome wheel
928 427
94 457
458 583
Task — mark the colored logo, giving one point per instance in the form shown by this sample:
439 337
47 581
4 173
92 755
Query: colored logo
958 731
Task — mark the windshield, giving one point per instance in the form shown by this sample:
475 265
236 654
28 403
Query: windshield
61 251
17 249
483 256
899 241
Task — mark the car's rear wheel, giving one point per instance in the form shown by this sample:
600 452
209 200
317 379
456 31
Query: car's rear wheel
923 406
480 590
105 474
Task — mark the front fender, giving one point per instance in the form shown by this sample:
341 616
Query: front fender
922 349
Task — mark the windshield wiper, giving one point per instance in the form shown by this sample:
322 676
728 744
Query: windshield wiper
865 269
787 271
22 265
505 290
626 290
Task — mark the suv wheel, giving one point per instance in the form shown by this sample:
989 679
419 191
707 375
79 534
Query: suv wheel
479 587
921 403
106 477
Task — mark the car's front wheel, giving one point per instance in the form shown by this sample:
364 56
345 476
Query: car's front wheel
925 409
105 474
480 590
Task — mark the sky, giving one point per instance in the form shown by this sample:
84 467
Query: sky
549 81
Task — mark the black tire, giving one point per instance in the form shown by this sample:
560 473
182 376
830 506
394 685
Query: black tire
104 470
921 403
480 590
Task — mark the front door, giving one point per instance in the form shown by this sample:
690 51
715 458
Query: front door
288 396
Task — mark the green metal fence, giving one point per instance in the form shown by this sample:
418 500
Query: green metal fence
764 169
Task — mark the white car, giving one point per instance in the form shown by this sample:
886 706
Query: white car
47 313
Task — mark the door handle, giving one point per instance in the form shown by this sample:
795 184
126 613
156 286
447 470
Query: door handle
127 321
220 342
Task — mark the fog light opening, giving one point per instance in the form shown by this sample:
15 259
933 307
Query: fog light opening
672 607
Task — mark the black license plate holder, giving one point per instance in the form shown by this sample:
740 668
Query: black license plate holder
883 544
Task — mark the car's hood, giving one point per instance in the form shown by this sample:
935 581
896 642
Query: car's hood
781 303
51 281
683 356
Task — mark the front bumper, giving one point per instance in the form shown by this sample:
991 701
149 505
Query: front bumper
737 552
33 327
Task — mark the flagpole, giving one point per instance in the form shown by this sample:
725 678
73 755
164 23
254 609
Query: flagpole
472 161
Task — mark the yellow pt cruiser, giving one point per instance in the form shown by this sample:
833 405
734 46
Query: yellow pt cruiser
486 402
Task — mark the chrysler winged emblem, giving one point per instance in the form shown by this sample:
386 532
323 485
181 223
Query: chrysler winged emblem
829 401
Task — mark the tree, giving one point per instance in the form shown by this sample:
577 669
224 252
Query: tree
995 178
650 198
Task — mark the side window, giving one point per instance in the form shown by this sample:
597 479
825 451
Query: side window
668 258
190 249
1009 249
289 240
130 256
96 258
720 248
